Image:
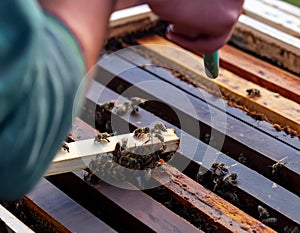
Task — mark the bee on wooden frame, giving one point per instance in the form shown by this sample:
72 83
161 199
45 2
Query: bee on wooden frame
276 168
65 147
102 137
252 92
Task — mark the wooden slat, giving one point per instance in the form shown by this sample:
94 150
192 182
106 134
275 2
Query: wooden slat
83 151
273 17
260 72
68 216
283 6
12 223
280 111
260 193
267 42
131 20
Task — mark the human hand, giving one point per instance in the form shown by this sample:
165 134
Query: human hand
198 25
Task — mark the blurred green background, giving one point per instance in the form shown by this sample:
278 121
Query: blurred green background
294 2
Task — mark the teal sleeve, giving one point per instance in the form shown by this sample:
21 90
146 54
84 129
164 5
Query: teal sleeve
41 69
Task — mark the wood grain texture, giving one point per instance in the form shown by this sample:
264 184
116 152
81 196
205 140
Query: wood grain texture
274 17
131 20
260 72
283 6
49 202
267 42
233 88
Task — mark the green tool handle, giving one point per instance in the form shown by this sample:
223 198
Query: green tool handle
211 64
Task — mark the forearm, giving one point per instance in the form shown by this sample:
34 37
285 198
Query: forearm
88 20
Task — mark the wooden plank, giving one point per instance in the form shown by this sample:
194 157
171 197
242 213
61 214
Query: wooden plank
13 224
283 6
224 214
280 111
273 17
50 202
267 42
83 151
131 20
288 212
260 72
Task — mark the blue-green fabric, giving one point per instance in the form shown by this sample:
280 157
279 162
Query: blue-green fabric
40 71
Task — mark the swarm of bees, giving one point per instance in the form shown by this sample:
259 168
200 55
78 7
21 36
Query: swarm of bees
264 216
222 181
127 164
252 92
65 147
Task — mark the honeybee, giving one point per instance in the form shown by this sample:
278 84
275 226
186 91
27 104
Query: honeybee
108 105
276 168
221 183
121 109
135 101
139 132
263 213
102 137
252 92
159 127
219 169
65 147
269 221
291 229
230 178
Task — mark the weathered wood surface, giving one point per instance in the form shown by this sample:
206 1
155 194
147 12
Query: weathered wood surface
139 18
267 42
260 72
283 6
274 17
50 204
